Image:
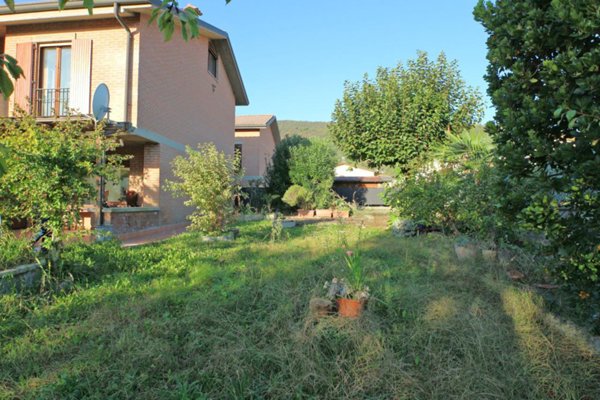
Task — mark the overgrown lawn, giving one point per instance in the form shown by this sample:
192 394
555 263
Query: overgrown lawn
191 320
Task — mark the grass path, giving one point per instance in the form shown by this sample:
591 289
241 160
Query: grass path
190 320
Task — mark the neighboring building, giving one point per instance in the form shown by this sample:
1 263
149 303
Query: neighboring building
359 185
255 139
166 95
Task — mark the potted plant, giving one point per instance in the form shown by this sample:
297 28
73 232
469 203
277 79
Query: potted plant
465 248
298 196
351 294
341 209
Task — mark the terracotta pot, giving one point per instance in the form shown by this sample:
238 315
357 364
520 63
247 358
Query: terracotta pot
341 214
350 308
306 213
323 213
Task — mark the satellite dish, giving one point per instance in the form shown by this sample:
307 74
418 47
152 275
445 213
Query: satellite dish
100 102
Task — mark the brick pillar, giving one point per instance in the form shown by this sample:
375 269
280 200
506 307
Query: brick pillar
151 175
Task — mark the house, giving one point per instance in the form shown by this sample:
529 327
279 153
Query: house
255 139
165 95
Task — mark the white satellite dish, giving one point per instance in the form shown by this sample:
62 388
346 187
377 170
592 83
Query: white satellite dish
100 102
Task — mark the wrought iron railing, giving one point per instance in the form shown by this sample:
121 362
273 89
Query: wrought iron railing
51 102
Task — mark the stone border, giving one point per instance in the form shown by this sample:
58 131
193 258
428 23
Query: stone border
23 276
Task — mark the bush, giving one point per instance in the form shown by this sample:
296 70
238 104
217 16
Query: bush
313 167
544 83
277 177
13 250
298 196
209 180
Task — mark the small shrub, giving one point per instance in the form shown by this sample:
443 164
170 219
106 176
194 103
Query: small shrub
277 177
298 196
313 167
209 180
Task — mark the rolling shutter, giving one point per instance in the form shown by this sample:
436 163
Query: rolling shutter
24 84
81 75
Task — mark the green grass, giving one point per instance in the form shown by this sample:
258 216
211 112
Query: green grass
192 320
305 129
14 250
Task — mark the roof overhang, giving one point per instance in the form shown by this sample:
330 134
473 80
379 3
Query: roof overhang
43 12
272 122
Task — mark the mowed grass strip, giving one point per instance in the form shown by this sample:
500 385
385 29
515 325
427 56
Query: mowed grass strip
191 320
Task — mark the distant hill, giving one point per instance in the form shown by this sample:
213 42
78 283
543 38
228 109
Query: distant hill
305 129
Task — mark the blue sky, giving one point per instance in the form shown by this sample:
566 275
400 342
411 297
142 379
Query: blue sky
295 55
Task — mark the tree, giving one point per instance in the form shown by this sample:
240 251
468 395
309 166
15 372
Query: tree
48 171
277 177
313 167
397 116
164 15
209 180
544 80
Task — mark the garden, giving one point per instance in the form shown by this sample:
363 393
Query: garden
480 280
190 319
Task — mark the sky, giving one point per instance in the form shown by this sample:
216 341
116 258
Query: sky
294 55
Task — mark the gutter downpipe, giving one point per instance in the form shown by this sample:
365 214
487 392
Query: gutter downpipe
117 10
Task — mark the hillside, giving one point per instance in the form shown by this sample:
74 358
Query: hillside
303 128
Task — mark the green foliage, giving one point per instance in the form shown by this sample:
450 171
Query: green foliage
455 190
3 158
298 196
399 115
544 82
49 169
313 167
14 250
209 180
277 177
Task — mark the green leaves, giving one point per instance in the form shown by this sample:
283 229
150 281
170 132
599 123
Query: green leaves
398 115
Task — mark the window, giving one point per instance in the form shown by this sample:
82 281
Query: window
212 60
52 95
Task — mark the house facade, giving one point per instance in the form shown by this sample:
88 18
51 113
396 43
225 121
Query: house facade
255 139
164 95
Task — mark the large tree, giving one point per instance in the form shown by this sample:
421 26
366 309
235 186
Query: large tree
544 80
392 119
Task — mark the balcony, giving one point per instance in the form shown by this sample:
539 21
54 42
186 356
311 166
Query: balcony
51 103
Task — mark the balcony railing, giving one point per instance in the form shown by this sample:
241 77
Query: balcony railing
51 102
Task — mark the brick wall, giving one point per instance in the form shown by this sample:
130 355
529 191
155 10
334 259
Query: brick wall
109 41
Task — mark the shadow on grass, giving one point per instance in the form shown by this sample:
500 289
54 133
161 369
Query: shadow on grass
230 320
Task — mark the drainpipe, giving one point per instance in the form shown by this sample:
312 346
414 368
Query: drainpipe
117 10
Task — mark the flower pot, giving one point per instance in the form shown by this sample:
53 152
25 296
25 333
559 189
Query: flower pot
350 308
489 255
323 213
465 252
341 214
306 213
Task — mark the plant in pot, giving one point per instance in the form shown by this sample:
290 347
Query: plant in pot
465 248
351 293
299 196
341 208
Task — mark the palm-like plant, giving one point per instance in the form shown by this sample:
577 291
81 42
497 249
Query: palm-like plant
468 148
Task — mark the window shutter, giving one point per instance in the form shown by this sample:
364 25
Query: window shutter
81 75
23 85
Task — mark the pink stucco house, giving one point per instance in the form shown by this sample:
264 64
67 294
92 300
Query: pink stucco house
255 139
166 95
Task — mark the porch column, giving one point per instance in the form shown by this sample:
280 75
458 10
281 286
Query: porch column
151 175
